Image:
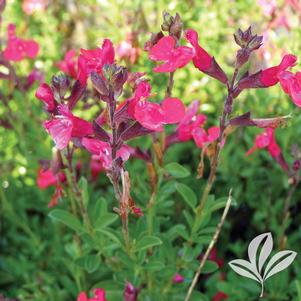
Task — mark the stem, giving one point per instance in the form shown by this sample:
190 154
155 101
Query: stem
286 211
215 160
210 247
75 190
118 172
169 85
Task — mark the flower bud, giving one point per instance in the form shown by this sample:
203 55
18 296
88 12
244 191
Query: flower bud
119 78
242 57
154 39
99 84
130 292
296 165
60 84
176 27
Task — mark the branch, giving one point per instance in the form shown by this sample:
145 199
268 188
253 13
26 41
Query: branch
210 247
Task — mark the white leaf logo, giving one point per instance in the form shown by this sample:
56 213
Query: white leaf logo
259 250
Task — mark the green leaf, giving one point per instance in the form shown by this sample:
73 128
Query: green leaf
83 185
67 219
105 220
177 170
221 203
209 267
90 263
110 234
154 266
147 242
187 194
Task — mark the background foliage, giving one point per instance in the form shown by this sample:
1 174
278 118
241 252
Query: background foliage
39 257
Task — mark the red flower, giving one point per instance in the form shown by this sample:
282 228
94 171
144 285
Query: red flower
99 295
267 140
220 296
17 49
178 278
96 166
94 60
291 85
153 116
56 196
202 60
190 122
173 57
65 126
45 94
130 292
46 178
270 77
69 64
102 151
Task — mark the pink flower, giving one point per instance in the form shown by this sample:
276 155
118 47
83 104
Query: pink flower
270 77
94 60
99 295
45 94
17 49
153 116
102 151
202 60
69 64
291 85
126 49
220 296
173 57
267 6
178 278
65 126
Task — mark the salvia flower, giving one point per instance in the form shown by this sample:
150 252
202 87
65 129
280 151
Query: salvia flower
17 49
267 140
130 292
190 122
202 60
45 94
69 64
153 116
173 57
268 77
178 278
291 85
99 295
94 60
102 151
64 126
219 296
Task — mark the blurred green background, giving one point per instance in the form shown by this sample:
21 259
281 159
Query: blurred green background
36 254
